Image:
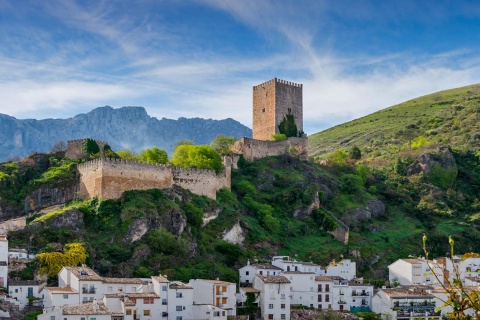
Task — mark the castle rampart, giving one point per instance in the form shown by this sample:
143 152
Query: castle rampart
108 178
255 149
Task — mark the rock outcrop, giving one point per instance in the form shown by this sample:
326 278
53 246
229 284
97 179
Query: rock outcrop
444 158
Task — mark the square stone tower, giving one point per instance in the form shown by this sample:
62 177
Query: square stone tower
272 101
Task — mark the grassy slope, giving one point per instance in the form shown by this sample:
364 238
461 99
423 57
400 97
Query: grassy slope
449 117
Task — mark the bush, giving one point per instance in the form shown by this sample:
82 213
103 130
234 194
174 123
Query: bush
442 177
279 137
351 183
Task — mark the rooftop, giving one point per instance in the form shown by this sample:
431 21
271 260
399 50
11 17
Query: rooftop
297 272
161 279
122 280
216 281
265 266
86 309
248 289
25 282
273 279
399 293
60 290
84 273
179 285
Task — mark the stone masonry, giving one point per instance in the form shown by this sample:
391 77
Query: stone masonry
253 149
74 148
273 100
108 178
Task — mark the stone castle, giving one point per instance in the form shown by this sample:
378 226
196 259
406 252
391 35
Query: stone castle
108 178
272 102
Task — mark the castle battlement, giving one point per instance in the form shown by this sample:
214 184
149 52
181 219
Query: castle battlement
276 80
81 141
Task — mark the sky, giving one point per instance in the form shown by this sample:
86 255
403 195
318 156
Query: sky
188 58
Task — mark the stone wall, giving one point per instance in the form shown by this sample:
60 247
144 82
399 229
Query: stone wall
253 149
74 148
108 178
273 100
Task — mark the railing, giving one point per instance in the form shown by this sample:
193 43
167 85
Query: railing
87 301
342 302
86 290
360 294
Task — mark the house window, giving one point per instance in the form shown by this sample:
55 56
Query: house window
128 312
164 302
319 298
148 300
247 273
65 296
261 272
82 318
282 316
282 296
282 306
178 308
270 316
178 318
30 292
327 298
164 288
179 294
93 318
327 288
216 313
16 290
52 317
223 313
146 312
270 306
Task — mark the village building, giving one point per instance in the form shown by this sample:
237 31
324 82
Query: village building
26 292
248 272
274 297
416 272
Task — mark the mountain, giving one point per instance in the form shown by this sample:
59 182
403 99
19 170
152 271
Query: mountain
450 117
127 127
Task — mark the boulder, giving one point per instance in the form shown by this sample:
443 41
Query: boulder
427 161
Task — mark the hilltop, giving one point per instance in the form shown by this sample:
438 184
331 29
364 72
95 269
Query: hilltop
124 128
449 117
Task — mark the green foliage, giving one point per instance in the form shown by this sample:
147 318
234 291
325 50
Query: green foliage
354 153
32 315
368 315
90 147
194 215
162 241
443 177
200 157
351 183
221 144
337 157
183 143
154 155
420 142
231 252
279 137
402 164
323 220
109 153
288 126
127 154
363 172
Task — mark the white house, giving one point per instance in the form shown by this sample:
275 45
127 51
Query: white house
242 296
83 280
405 303
346 269
360 296
287 264
23 290
274 300
303 290
416 272
3 261
220 294
180 301
20 254
55 297
142 306
248 272
324 287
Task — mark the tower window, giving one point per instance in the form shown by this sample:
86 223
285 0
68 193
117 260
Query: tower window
263 110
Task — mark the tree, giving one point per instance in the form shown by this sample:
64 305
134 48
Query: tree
127 154
154 155
109 153
351 183
288 126
90 147
354 153
200 157
52 262
222 144
279 137
182 143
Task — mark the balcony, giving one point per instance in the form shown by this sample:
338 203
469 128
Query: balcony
360 294
87 301
341 302
86 290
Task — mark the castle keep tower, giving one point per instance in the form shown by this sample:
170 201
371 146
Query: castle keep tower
272 101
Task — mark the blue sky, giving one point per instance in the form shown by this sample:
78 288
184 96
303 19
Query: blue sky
192 58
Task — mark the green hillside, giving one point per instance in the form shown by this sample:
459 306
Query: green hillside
449 117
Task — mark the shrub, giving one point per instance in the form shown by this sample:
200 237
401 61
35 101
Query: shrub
442 177
351 183
279 137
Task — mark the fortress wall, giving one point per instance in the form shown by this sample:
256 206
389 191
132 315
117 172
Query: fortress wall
202 182
255 149
74 148
288 99
264 125
108 178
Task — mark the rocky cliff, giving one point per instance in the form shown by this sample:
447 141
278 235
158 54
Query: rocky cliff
127 127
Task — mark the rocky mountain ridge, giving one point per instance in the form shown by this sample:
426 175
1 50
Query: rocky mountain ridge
126 127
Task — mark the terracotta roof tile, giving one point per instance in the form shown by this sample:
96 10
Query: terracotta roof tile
86 309
122 280
273 279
